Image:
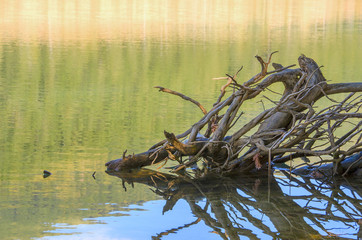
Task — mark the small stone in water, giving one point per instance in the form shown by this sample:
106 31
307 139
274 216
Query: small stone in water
46 174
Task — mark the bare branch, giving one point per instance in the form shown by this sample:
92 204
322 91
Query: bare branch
162 89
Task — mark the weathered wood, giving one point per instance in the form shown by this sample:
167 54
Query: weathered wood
166 90
291 127
155 155
351 166
137 161
343 88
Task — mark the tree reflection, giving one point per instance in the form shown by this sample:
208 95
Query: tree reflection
282 206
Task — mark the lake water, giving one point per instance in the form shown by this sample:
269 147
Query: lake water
76 90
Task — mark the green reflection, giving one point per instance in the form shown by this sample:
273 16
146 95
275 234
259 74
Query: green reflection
70 106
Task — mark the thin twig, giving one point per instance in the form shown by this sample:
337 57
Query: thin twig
166 90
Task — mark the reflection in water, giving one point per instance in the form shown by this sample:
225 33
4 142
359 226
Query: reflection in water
76 90
250 206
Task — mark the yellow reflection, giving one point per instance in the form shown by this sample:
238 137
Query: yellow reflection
57 20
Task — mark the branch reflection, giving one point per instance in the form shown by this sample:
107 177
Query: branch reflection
282 207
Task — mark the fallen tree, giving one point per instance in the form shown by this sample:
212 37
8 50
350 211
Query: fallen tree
293 128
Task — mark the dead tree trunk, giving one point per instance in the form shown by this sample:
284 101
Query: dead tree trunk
294 128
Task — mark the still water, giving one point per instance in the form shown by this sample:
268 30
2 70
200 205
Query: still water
76 90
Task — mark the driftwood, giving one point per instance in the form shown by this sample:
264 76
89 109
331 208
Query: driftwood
293 128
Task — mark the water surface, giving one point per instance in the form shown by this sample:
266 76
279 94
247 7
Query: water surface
76 90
